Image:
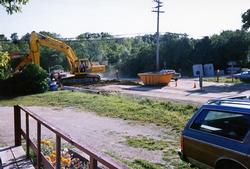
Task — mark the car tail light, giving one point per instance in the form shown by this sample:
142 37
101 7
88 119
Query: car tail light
182 142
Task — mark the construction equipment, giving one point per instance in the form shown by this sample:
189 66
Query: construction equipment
81 76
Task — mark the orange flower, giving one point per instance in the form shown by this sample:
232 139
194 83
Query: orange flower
52 157
66 161
46 142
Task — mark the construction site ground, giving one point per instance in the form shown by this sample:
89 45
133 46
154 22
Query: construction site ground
108 135
186 91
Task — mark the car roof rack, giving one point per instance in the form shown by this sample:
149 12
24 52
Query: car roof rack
243 100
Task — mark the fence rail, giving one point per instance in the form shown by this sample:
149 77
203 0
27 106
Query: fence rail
95 157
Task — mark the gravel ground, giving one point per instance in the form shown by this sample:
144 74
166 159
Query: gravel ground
102 133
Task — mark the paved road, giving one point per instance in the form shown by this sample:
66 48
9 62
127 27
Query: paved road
184 91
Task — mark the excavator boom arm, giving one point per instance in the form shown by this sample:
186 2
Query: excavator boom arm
38 39
76 65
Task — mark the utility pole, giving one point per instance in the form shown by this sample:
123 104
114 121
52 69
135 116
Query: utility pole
159 5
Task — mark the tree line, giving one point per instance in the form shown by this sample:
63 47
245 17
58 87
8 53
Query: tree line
137 54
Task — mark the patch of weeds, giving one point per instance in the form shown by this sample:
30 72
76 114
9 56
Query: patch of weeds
137 163
111 154
171 157
183 165
142 164
147 143
33 157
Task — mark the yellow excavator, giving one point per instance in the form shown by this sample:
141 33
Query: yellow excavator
83 70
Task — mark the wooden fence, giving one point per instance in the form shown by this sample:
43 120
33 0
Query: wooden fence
95 157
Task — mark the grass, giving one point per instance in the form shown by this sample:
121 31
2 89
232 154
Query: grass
168 149
142 164
173 162
147 143
137 163
143 110
222 80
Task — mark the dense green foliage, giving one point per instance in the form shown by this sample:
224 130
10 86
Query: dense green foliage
31 80
137 54
13 6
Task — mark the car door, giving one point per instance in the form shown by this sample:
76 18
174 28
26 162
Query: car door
216 134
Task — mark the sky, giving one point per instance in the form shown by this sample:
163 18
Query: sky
197 18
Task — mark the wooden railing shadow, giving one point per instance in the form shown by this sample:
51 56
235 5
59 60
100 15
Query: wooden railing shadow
95 157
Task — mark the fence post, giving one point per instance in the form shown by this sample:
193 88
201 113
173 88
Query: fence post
17 125
27 135
92 163
58 152
38 145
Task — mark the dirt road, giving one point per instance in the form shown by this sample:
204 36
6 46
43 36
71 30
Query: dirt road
104 134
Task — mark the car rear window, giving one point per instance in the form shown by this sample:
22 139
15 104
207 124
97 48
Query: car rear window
226 124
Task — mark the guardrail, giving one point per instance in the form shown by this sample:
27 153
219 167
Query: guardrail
95 157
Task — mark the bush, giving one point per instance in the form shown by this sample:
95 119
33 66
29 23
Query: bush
31 80
4 61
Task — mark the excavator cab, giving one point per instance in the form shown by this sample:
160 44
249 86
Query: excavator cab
83 66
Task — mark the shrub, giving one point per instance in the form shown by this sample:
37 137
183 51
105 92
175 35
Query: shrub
31 80
4 60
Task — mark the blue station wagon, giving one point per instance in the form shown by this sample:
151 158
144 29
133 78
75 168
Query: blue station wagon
217 136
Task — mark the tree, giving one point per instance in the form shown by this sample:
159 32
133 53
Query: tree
203 51
246 20
175 52
13 6
230 46
14 38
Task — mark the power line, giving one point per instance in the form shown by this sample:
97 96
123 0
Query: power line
114 37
